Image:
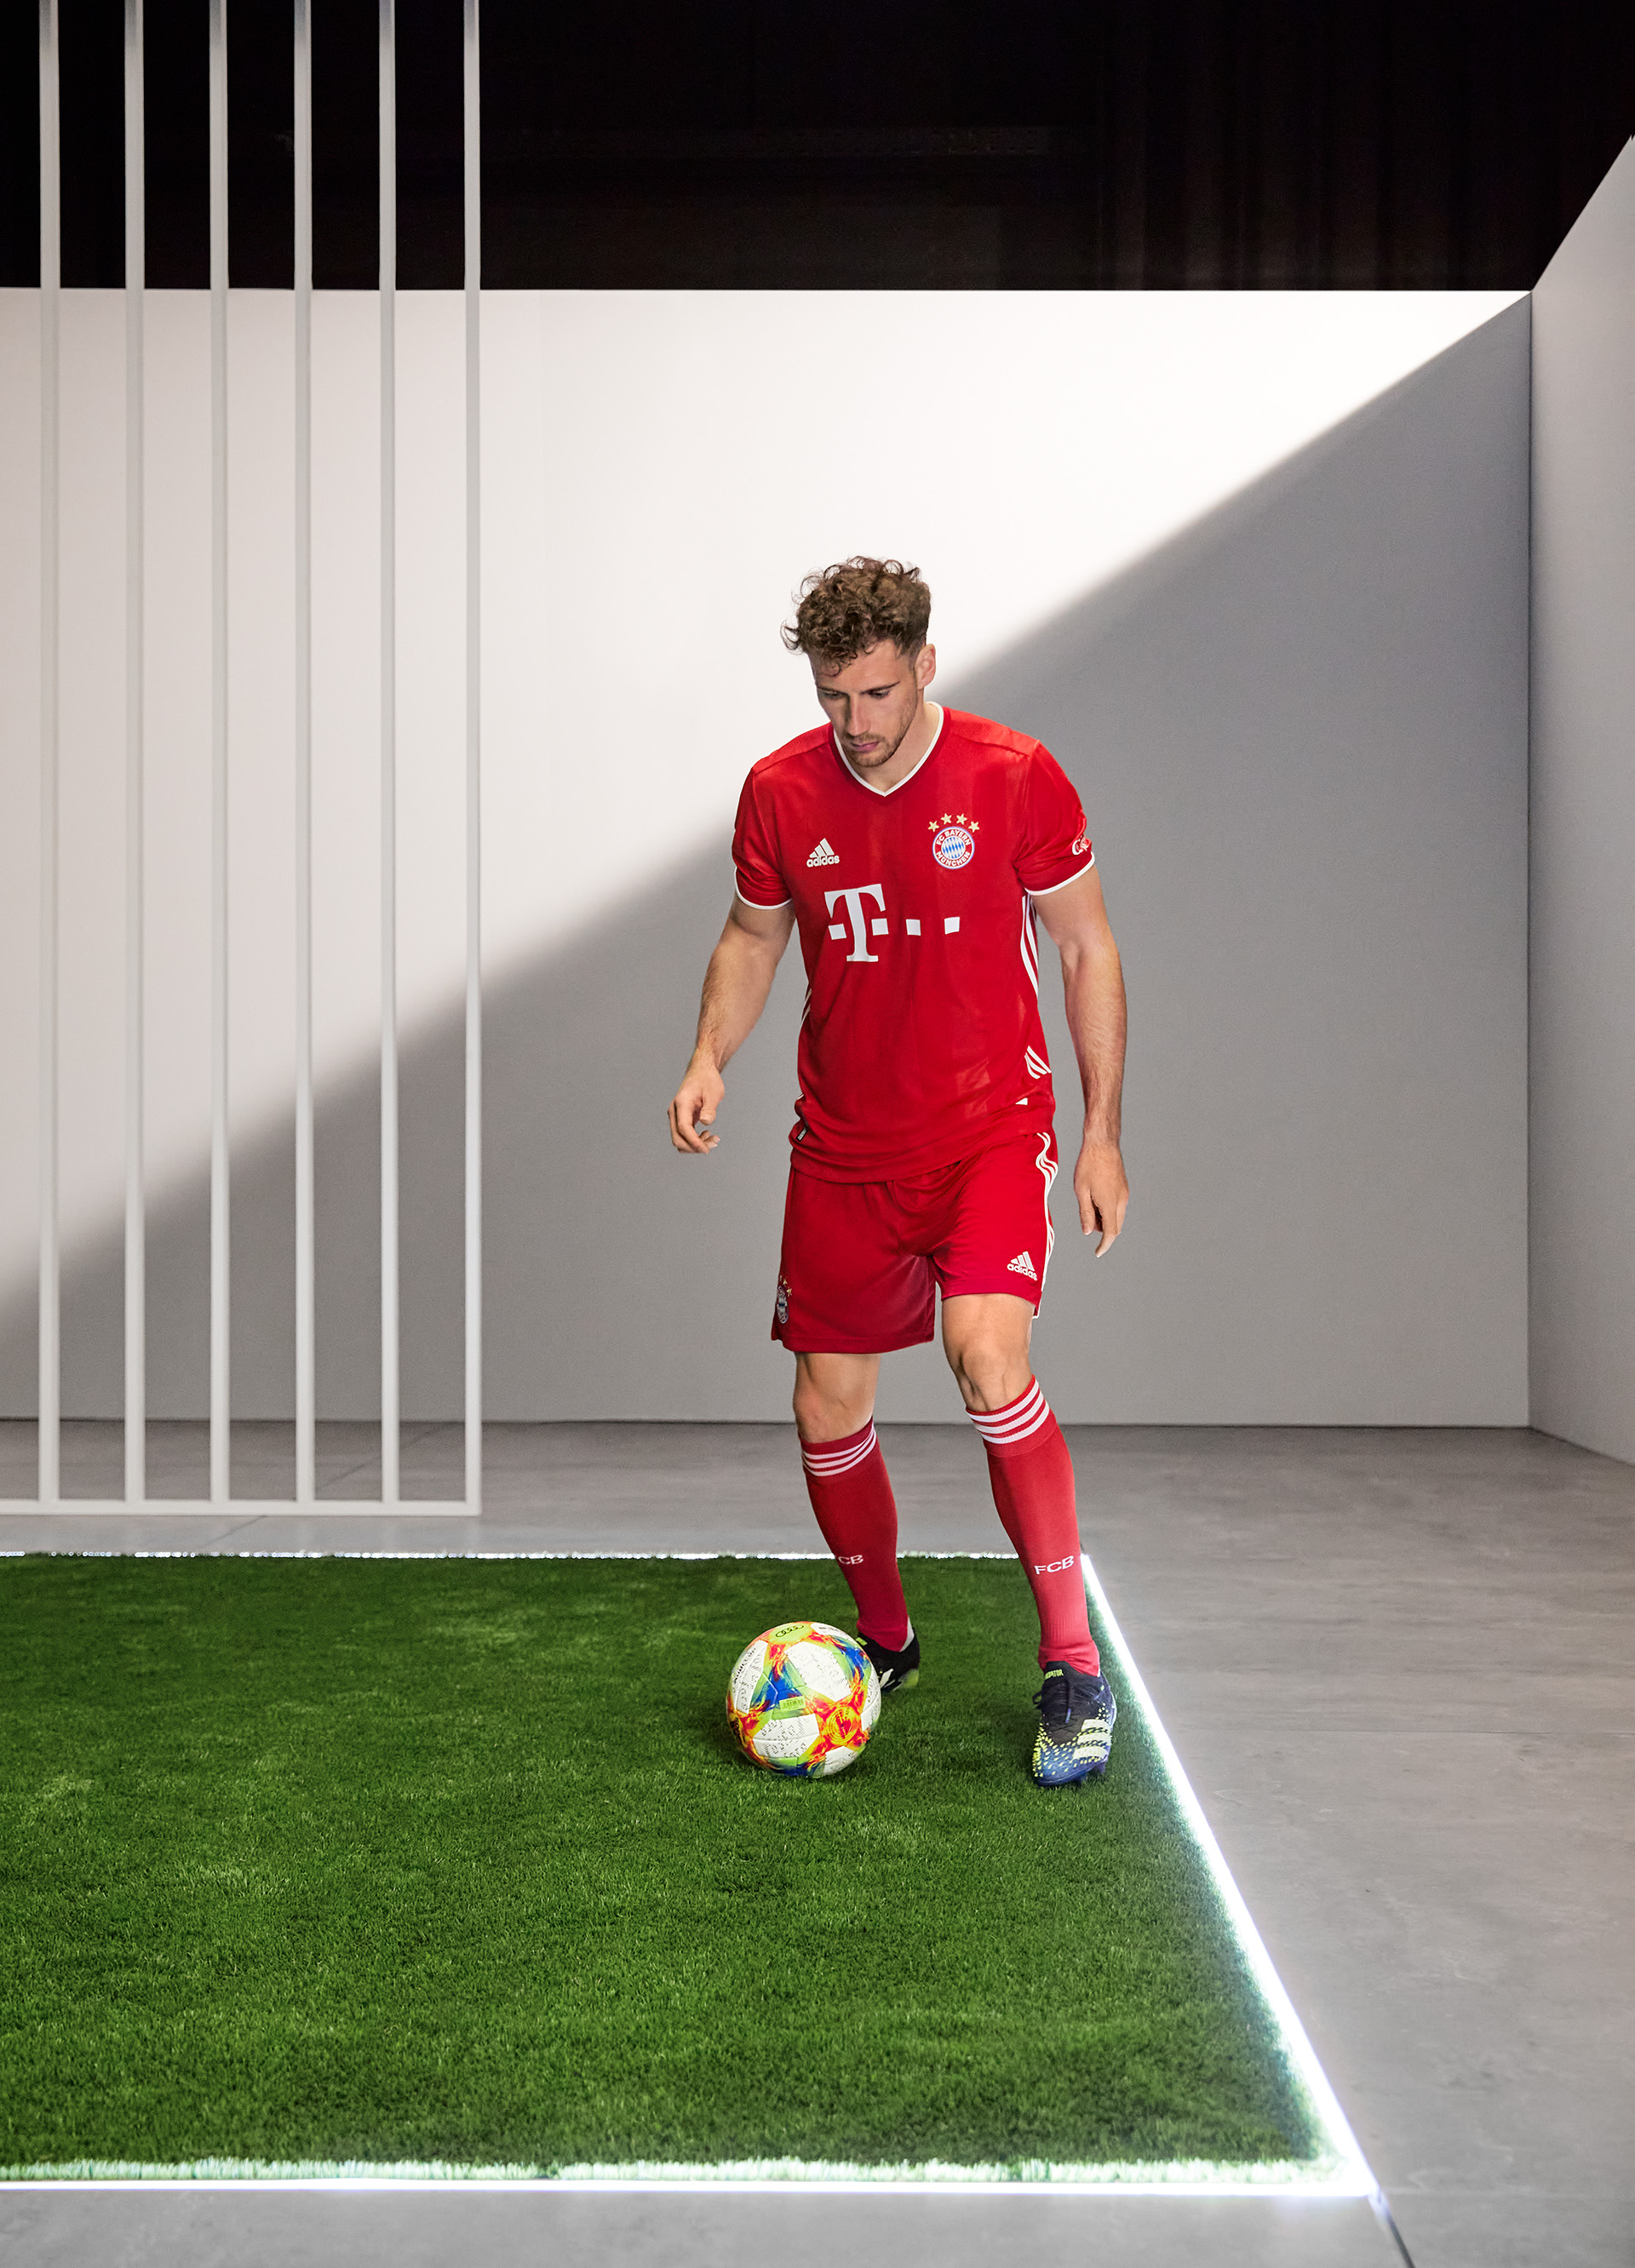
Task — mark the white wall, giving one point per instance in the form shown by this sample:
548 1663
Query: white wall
1583 833
1254 564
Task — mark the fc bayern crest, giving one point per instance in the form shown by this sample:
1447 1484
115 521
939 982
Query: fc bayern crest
782 1302
953 846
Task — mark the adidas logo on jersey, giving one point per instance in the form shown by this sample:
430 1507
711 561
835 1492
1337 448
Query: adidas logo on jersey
824 856
1022 1266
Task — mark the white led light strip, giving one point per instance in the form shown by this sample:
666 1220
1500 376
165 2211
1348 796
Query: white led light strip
1193 2178
1352 2175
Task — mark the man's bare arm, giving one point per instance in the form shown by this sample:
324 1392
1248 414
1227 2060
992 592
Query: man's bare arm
736 985
1075 920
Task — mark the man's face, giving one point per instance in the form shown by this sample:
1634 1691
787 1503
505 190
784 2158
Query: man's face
874 700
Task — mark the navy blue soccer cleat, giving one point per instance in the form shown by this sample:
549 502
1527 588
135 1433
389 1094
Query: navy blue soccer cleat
897 1671
1075 1735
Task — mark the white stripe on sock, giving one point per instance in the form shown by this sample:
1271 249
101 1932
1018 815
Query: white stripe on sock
823 1453
1018 1419
1026 1404
829 1468
826 1463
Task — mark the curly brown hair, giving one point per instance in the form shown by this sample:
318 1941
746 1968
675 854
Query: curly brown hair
844 610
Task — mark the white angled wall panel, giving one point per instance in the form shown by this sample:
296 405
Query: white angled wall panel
1254 564
1583 1051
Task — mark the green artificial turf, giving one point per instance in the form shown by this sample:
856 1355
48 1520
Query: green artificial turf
457 1860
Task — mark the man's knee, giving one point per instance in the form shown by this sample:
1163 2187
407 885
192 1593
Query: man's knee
811 1411
827 1409
992 1368
985 1337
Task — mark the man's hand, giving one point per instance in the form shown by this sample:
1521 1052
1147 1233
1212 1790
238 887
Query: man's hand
736 984
692 1113
1102 1191
1093 982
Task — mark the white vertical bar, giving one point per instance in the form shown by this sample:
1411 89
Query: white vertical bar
473 763
50 314
305 1370
136 1229
221 1272
391 1392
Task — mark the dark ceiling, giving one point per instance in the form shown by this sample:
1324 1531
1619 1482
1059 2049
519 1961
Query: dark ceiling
740 144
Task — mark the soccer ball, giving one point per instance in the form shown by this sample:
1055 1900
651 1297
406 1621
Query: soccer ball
803 1700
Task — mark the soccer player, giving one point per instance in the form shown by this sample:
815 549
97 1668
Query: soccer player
914 846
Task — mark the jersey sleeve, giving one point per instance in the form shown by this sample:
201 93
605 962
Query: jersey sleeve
754 855
1053 840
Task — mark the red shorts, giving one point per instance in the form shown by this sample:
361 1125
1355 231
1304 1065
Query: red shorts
860 1259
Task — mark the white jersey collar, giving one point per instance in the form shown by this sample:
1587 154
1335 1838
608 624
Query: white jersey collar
851 770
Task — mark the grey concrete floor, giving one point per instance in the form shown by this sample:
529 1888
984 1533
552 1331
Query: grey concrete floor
1400 1668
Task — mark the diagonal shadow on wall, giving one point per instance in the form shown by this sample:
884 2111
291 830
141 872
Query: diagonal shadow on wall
1300 731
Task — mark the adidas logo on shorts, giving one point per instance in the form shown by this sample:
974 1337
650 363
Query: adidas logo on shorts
1023 1266
824 856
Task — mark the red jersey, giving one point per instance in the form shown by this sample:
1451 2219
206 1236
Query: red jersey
921 1042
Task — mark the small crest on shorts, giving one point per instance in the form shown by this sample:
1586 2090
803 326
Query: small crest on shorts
782 1303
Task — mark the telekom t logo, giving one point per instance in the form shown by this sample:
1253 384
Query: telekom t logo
860 922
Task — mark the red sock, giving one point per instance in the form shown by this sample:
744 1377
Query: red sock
850 1493
1032 1475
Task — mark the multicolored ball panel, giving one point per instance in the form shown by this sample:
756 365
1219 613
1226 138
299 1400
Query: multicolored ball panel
803 1700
